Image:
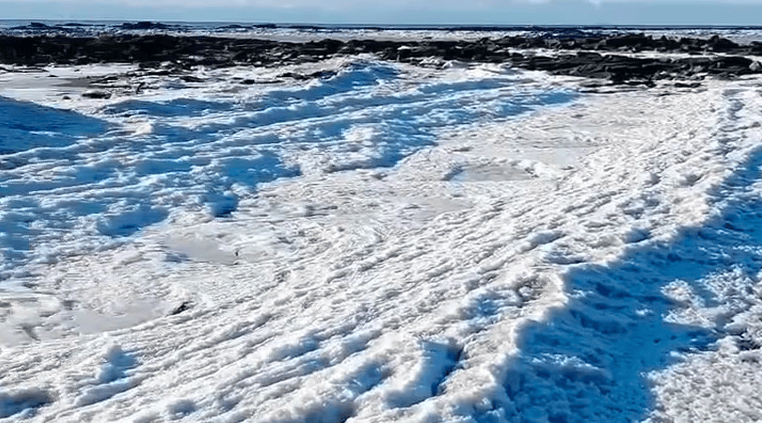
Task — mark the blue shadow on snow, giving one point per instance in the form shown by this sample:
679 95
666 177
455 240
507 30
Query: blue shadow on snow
327 109
24 126
587 361
319 113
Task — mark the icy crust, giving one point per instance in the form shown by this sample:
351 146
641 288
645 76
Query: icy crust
408 292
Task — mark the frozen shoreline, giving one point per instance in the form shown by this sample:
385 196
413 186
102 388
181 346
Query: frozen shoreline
600 56
400 294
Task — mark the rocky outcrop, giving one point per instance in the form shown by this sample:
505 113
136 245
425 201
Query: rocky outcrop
613 58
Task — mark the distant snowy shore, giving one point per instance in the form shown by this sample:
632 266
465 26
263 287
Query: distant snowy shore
381 234
296 32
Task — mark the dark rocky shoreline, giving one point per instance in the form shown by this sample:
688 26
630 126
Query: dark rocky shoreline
612 58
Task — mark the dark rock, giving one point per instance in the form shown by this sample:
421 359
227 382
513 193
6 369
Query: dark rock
191 78
755 48
186 305
735 65
632 42
687 84
294 75
167 55
716 43
96 94
255 81
143 25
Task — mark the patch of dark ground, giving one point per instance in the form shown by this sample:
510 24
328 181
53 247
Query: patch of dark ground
607 57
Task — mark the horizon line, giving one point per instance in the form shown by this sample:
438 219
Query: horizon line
422 26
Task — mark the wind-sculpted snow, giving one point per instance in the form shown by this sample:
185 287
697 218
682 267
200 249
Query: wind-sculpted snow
631 316
377 243
28 126
210 152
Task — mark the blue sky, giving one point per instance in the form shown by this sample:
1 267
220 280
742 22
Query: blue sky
589 12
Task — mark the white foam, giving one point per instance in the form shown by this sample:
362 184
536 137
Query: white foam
354 293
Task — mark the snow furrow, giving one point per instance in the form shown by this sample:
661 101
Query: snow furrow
381 245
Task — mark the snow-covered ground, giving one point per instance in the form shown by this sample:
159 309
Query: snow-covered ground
386 243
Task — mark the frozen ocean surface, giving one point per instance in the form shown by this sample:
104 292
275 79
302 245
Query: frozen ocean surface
381 243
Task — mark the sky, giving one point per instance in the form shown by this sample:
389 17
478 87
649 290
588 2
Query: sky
511 12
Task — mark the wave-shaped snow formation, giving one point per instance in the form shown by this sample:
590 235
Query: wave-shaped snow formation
382 243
